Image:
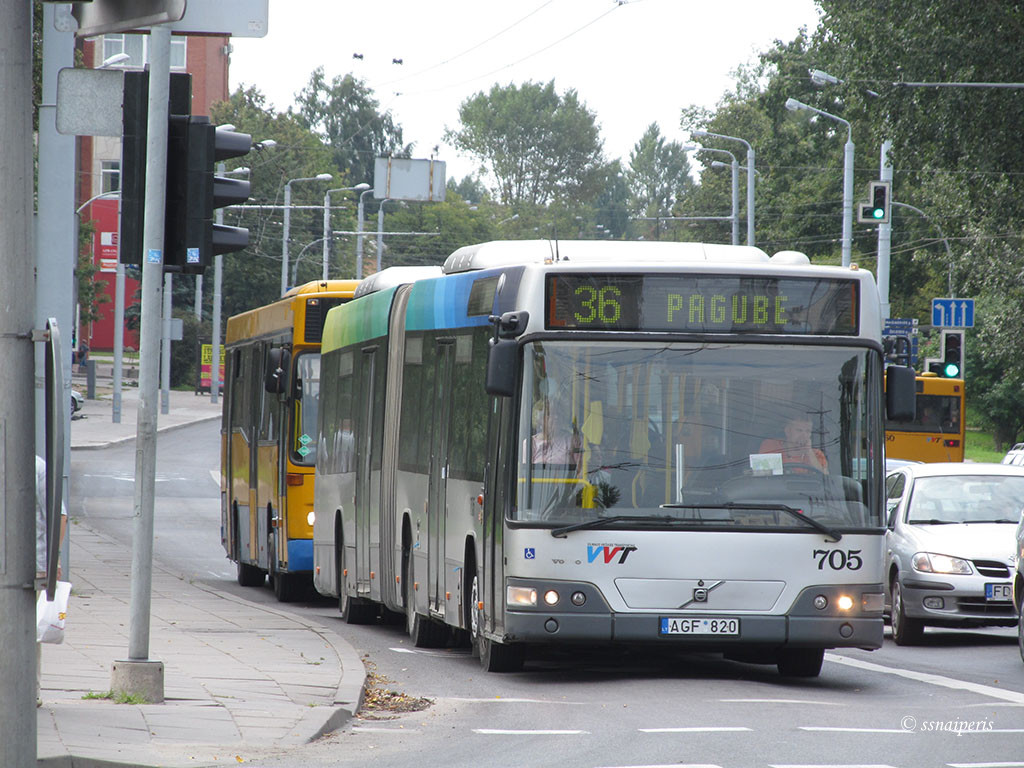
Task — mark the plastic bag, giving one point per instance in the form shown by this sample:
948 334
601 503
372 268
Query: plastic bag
51 616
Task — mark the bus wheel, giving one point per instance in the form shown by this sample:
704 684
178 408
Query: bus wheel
250 575
288 587
354 610
800 662
905 630
1020 634
494 657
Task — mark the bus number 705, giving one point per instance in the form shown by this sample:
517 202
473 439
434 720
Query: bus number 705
839 559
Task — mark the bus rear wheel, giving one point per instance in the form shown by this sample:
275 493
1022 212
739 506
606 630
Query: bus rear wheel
800 662
423 631
354 610
250 575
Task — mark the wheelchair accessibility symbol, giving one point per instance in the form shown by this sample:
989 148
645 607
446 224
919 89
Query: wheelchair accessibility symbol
530 553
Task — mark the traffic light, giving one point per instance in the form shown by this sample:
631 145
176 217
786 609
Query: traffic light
877 209
191 238
952 354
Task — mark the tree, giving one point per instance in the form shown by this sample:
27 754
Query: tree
658 175
345 116
537 145
90 290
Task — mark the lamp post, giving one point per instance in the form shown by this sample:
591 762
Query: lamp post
750 176
327 220
380 229
359 235
945 242
793 106
735 166
287 223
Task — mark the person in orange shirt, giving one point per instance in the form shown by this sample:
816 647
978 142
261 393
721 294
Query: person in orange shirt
796 448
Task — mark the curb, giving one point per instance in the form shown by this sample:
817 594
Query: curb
121 440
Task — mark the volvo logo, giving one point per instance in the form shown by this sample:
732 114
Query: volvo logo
701 592
700 595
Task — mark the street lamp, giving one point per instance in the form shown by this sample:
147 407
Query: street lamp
287 224
361 187
359 235
297 259
750 176
945 242
793 106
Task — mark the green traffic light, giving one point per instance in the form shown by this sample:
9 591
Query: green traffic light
878 213
951 370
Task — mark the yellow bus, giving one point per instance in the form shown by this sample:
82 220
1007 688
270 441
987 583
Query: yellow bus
937 434
269 438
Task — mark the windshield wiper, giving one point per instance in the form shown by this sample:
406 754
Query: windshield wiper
934 521
601 522
827 530
1000 520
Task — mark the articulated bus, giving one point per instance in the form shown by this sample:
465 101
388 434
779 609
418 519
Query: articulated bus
268 436
583 443
937 432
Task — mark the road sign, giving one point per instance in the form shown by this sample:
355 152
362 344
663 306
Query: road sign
953 313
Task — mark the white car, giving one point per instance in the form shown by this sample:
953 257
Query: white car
1015 455
77 401
950 552
1018 586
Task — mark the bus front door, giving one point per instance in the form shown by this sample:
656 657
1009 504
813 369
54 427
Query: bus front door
437 495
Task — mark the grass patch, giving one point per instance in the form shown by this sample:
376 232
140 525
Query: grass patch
117 698
980 446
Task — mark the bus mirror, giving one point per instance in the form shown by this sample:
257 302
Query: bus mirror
900 393
276 375
501 368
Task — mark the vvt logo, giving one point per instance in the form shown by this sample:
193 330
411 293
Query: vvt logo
608 553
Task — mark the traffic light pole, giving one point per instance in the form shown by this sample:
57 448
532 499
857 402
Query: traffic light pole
138 675
884 239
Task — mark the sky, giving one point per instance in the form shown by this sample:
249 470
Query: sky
632 62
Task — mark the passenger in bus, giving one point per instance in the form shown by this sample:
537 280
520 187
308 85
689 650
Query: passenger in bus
796 448
553 442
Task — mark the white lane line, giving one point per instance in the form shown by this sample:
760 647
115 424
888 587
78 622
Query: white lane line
372 729
925 677
537 732
696 729
829 729
782 701
503 700
831 765
985 765
665 765
215 474
449 654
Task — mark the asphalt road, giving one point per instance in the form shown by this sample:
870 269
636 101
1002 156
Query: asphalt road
957 700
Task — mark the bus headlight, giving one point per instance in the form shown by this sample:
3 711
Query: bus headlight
311 517
844 603
521 596
551 597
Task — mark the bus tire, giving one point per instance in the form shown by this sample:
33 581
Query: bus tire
498 657
800 662
250 575
354 610
288 587
905 630
423 631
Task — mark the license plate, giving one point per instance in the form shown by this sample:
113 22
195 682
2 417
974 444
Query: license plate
1002 591
699 625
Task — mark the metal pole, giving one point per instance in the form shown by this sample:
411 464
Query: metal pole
138 675
165 346
199 296
118 339
885 238
17 310
380 231
327 234
359 235
735 167
848 198
750 194
284 239
218 285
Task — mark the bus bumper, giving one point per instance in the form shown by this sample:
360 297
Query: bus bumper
300 555
802 626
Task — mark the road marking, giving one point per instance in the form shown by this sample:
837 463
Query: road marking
852 730
832 765
215 474
373 729
696 729
783 701
985 765
538 732
503 700
453 653
926 677
665 765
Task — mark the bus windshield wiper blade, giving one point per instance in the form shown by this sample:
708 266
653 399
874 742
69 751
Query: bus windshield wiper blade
601 522
827 530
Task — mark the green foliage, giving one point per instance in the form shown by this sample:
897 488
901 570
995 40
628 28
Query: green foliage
658 175
538 145
344 114
90 290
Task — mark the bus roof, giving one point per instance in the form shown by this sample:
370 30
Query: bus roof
322 286
394 276
500 253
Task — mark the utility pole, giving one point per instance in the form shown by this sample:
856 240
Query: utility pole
138 674
17 429
885 238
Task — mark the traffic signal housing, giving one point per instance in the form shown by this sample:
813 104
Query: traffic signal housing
879 206
952 354
191 238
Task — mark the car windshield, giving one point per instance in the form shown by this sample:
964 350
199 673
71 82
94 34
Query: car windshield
966 499
707 435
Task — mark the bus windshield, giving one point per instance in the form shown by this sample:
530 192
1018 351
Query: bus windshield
716 436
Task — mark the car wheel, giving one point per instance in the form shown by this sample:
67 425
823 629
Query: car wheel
1020 634
905 630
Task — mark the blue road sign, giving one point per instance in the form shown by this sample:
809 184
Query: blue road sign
953 313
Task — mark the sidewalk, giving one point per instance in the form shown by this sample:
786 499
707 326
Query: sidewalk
241 680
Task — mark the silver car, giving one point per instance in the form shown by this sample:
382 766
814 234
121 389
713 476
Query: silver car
950 550
1018 586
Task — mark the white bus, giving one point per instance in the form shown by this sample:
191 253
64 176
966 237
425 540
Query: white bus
595 443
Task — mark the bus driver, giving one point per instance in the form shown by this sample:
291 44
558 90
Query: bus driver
796 447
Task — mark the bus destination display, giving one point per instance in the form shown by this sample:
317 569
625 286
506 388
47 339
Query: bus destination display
702 304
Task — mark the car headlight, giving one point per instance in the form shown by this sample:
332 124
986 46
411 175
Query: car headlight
929 562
